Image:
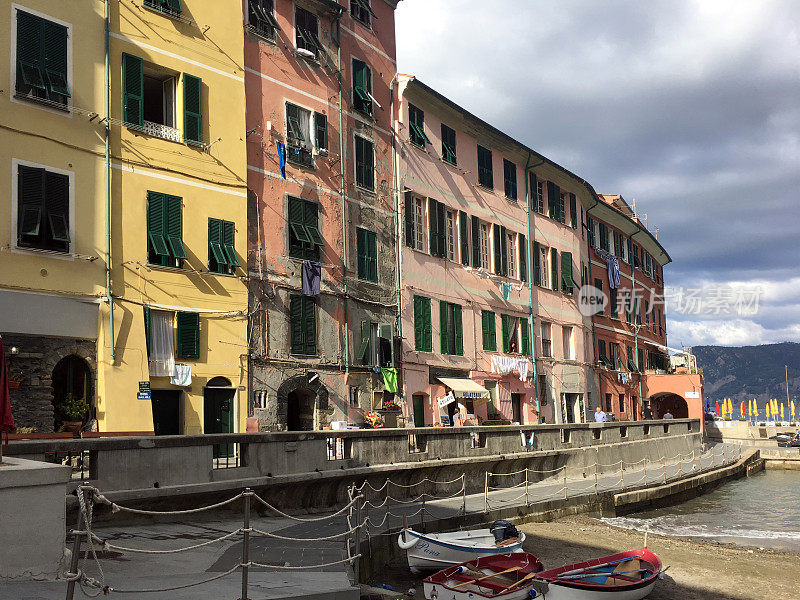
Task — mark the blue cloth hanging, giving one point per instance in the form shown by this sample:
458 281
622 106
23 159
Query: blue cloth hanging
282 158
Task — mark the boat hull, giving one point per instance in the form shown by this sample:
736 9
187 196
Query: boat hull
560 592
484 578
433 552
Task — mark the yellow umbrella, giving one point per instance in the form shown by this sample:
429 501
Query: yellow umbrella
767 409
755 408
730 408
791 408
782 411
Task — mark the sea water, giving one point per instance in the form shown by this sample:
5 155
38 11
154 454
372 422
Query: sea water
762 510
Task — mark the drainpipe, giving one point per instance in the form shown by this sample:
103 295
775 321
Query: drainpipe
591 282
344 204
636 331
398 245
108 185
529 267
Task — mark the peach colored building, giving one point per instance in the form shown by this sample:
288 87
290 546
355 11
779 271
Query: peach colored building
317 82
487 279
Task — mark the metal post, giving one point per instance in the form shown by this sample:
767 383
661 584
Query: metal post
622 474
565 482
76 547
664 460
486 493
595 477
357 561
680 466
694 460
246 542
527 500
645 470
464 494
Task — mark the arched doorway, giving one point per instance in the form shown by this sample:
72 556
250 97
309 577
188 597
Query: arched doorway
219 412
300 410
661 404
73 392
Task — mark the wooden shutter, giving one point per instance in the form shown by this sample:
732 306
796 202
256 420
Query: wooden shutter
523 258
476 242
525 336
409 219
427 333
419 324
489 332
30 201
444 346
485 329
296 324
228 242
132 90
441 215
498 253
156 230
364 348
573 210
188 333
55 58
433 228
56 206
173 226
361 87
503 250
458 330
554 267
533 191
361 252
537 264
504 330
147 329
30 34
174 6
309 325
464 233
566 272
553 200
216 255
192 109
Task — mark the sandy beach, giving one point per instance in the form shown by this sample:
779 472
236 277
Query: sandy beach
698 570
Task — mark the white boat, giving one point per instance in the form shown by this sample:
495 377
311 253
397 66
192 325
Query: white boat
435 551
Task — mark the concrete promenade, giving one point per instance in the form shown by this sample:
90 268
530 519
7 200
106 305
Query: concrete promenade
136 571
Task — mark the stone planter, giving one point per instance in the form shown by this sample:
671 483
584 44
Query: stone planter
389 417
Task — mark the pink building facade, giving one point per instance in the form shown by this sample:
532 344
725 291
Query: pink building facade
486 279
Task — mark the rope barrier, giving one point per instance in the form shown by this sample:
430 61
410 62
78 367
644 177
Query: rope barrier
108 545
301 567
100 499
176 587
311 520
316 539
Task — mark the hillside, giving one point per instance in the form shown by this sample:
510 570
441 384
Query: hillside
747 372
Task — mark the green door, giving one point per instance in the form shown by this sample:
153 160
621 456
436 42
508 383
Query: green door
418 402
218 416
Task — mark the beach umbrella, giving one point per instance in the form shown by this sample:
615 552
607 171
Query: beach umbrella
791 408
730 408
716 403
767 410
742 409
755 408
781 411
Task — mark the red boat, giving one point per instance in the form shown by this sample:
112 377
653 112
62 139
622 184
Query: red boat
506 576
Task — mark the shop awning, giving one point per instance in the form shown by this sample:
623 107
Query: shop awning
464 388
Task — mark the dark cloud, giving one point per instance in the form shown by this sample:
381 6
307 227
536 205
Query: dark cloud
690 107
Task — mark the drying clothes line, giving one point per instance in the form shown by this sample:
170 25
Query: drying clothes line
504 365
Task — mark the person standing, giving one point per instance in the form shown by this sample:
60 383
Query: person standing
600 416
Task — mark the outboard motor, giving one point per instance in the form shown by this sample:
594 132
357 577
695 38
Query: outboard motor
503 530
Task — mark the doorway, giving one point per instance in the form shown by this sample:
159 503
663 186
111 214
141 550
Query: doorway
300 410
516 408
166 411
418 406
218 412
72 391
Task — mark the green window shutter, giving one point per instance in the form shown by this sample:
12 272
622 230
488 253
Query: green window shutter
433 227
448 144
573 210
533 191
498 253
156 230
503 250
30 201
372 256
30 40
132 90
321 131
365 165
566 272
554 268
361 252
553 200
363 350
173 225
362 87
174 6
217 261
523 258
458 330
464 234
476 242
56 205
55 58
537 264
525 336
311 222
147 329
441 216
419 323
416 125
192 109
309 325
188 334
488 327
505 328
427 334
444 347
408 209
296 325
229 242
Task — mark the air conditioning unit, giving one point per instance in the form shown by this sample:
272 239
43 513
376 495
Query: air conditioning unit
306 53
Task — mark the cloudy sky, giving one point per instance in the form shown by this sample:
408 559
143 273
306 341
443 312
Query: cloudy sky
690 107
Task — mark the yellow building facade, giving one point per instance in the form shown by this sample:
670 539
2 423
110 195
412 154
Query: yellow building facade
170 344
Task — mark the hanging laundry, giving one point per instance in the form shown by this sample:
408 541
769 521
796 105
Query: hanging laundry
390 379
310 275
522 366
182 376
282 158
612 265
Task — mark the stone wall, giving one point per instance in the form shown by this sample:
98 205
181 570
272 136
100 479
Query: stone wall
32 366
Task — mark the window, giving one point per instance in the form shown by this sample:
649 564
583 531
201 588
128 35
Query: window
509 326
573 211
261 19
554 268
540 197
365 163
306 33
42 209
450 234
221 247
187 334
423 338
415 221
488 330
567 281
602 357
158 104
569 343
302 325
367 249
484 246
41 70
170 8
298 136
511 270
437 228
305 239
165 230
500 250
451 336
631 364
547 346
523 258
590 228
485 174
362 87
449 145
553 201
640 363
463 221
598 283
525 337
376 344
614 357
562 209
541 261
604 241
636 262
362 11
510 179
416 125
321 133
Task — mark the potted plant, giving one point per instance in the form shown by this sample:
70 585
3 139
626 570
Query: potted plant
73 409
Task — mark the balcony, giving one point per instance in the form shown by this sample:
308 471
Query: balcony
161 131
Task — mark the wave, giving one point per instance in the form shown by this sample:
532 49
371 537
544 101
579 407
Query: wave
667 526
